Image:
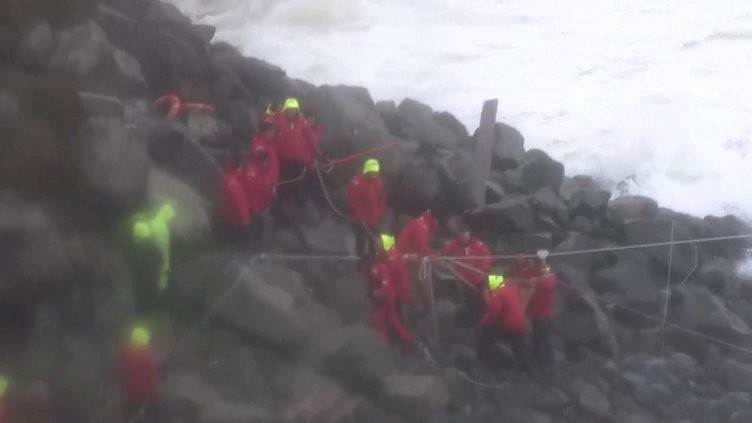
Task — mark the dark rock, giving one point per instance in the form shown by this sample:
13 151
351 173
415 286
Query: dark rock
736 376
101 105
419 188
648 231
511 181
546 201
8 40
457 177
346 295
191 224
113 166
35 46
525 243
727 226
718 276
423 127
540 171
595 401
328 236
127 69
80 50
568 189
509 150
511 214
449 121
204 32
741 417
415 397
9 117
576 241
494 192
392 117
625 209
589 202
582 224
632 281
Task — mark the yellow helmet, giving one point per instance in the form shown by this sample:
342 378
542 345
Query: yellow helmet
4 382
387 242
291 103
495 281
141 230
371 166
140 336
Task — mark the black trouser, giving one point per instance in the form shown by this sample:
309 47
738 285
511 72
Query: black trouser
489 335
544 353
363 244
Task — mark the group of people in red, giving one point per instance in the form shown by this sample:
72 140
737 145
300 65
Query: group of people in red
285 148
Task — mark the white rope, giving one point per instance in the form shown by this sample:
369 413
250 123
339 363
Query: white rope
697 262
668 290
425 275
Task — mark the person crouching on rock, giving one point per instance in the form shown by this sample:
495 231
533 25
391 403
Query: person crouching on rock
540 309
383 293
139 378
297 145
367 202
504 320
235 213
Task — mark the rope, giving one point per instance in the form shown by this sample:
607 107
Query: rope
328 197
361 154
293 180
697 262
668 290
425 275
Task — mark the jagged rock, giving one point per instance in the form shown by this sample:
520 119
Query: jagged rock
457 171
127 69
509 149
576 241
568 189
8 116
494 192
727 226
625 209
191 223
736 376
582 224
34 48
511 214
8 41
538 170
327 236
392 117
631 280
346 295
449 121
545 200
525 243
419 188
80 50
113 166
590 202
204 32
648 231
719 277
416 397
595 401
423 127
98 105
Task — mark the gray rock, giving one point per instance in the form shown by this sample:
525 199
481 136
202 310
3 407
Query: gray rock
545 200
34 48
718 276
80 50
509 149
590 202
113 166
8 41
423 127
8 116
648 231
419 187
628 208
741 417
191 224
511 214
727 226
631 280
457 170
582 224
128 69
568 189
328 236
204 32
538 171
449 121
416 397
99 105
736 376
595 401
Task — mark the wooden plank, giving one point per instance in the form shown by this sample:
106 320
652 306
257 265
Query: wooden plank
484 150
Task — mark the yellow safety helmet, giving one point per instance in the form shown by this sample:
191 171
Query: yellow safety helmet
4 382
387 242
141 230
140 336
371 166
495 281
291 103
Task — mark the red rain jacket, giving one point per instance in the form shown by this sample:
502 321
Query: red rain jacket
259 145
393 260
504 308
383 292
366 198
414 238
3 412
540 305
258 188
235 210
138 373
474 248
296 141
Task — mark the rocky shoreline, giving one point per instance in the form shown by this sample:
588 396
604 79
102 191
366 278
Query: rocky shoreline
82 150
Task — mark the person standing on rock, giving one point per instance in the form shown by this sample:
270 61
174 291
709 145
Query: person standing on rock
414 241
383 293
263 148
392 257
260 189
297 146
540 310
139 378
504 320
474 260
367 203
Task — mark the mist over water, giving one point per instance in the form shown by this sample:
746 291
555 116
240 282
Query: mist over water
657 91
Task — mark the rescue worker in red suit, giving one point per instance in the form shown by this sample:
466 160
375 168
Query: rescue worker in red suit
504 320
464 244
139 377
235 213
384 316
297 146
414 241
540 310
367 202
392 257
263 146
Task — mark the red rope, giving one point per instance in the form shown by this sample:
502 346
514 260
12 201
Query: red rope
361 154
177 107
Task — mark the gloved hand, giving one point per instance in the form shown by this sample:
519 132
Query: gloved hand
542 254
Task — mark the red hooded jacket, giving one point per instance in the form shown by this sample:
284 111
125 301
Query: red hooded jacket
398 273
366 198
383 292
262 145
138 373
540 305
414 238
505 309
258 188
474 248
235 210
296 141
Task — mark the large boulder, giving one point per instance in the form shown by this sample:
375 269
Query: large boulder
736 376
457 170
538 170
415 397
632 282
419 188
80 50
34 48
512 214
113 166
648 231
625 209
727 226
509 149
191 224
328 236
423 127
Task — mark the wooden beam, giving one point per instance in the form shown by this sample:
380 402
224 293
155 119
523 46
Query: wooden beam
484 150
